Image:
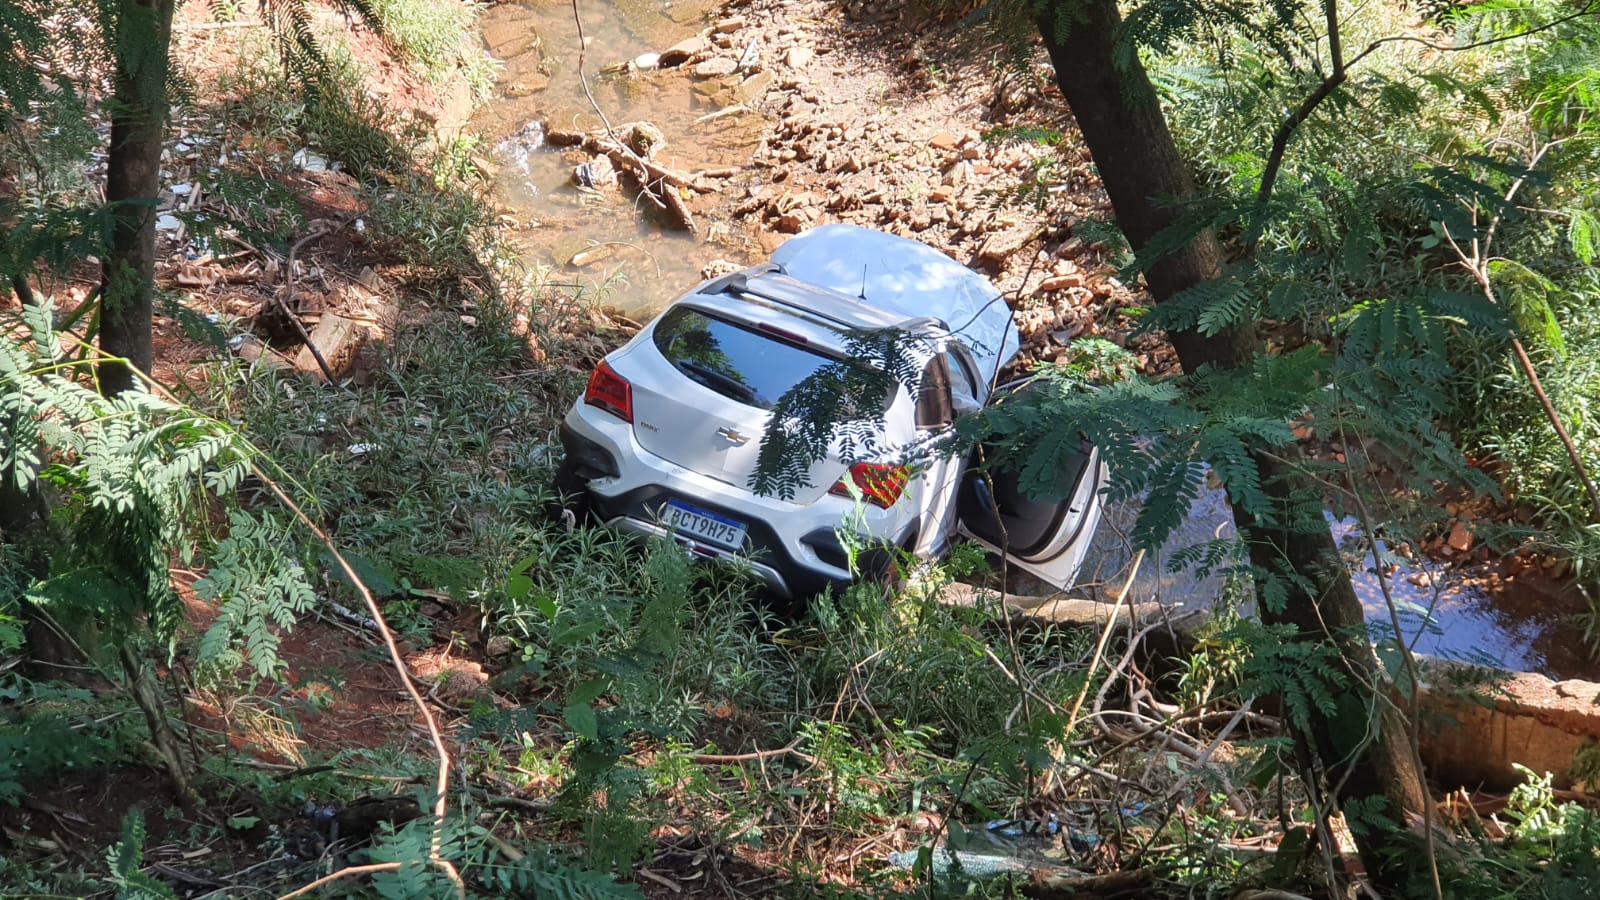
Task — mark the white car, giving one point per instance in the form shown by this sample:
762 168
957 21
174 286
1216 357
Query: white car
665 439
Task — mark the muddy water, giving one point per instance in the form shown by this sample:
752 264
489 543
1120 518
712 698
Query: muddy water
631 260
1468 614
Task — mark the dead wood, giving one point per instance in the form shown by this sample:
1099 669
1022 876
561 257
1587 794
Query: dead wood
1051 886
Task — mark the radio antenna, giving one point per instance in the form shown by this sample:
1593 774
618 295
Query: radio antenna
863 295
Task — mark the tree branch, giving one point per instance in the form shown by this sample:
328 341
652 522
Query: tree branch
436 838
1336 78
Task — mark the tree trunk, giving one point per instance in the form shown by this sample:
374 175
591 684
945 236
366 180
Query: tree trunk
1120 117
142 39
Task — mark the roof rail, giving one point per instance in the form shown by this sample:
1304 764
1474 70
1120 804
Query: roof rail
747 282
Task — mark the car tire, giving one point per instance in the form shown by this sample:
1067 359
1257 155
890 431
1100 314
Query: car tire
572 501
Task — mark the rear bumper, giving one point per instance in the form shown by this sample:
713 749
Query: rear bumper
627 488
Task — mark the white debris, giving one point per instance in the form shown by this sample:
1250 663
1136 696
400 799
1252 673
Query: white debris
307 161
181 190
362 449
169 223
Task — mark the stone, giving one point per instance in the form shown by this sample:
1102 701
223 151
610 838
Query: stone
647 61
338 339
796 57
1545 725
527 87
944 142
1460 539
644 138
1061 282
1000 245
683 51
729 25
753 87
509 38
715 67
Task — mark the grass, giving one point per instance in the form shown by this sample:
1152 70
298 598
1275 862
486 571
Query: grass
437 37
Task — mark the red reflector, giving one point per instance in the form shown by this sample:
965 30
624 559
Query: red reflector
610 391
880 484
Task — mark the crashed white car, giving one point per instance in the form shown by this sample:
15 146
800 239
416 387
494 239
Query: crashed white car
665 439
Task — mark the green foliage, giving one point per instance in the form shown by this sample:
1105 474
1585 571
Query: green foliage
126 858
126 471
48 731
259 590
835 409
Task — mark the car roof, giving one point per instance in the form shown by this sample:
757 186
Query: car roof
904 279
771 284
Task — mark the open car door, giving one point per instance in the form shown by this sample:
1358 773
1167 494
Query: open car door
1046 538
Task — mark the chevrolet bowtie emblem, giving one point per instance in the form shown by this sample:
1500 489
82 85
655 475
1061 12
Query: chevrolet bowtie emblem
733 435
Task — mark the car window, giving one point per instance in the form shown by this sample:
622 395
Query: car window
735 361
961 383
934 409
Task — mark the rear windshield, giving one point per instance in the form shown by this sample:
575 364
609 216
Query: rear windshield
737 362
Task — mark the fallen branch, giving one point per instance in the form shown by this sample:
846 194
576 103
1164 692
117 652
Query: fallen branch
1052 886
713 759
627 159
352 871
286 302
658 182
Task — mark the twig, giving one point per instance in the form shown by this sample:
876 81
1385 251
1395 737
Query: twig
351 871
1412 695
1341 69
287 304
713 759
662 880
1477 263
520 804
1105 636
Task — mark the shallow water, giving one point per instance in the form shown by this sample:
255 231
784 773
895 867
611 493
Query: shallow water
642 263
1468 614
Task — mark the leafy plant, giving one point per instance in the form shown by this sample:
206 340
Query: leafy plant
126 859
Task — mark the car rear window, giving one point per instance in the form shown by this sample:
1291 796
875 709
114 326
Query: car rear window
737 362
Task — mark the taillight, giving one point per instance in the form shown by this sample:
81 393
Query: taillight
610 391
880 484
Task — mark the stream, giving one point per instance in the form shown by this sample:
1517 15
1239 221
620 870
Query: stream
1468 613
637 265
634 264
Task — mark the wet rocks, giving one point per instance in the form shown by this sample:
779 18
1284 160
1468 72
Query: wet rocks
684 51
715 67
507 38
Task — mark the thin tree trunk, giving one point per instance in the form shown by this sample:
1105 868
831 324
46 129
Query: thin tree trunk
1364 748
142 42
147 695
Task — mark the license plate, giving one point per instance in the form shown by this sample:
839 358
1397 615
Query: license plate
692 521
